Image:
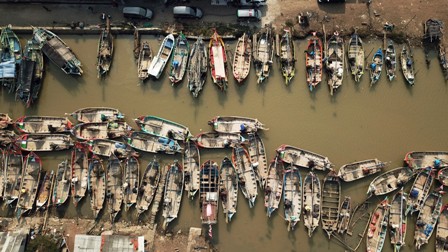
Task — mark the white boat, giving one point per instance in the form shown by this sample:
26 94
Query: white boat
159 61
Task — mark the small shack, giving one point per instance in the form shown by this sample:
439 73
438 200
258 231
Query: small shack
109 243
433 30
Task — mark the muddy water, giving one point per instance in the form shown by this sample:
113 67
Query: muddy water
359 122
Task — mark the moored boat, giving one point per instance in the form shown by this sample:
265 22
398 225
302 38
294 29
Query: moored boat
356 57
191 161
179 59
197 67
427 219
303 158
407 65
80 172
263 54
159 61
242 58
274 187
357 170
144 60
423 159
390 181
345 214
331 200
228 188
148 186
246 175
216 140
313 62
42 124
391 60
30 182
11 43
376 66
236 124
335 62
10 58
442 231
218 61
376 234
114 186
209 188
162 127
311 202
100 130
152 143
97 114
44 190
44 142
105 50
96 185
106 147
287 56
398 220
257 155
12 175
5 120
419 191
130 181
7 137
172 197
61 188
292 196
442 176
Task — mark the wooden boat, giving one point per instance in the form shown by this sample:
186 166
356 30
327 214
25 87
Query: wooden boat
377 231
42 124
144 60
10 58
162 127
198 67
57 51
228 188
345 213
407 65
274 187
246 175
263 54
100 130
242 58
423 159
61 188
5 120
130 181
208 191
80 172
287 56
105 50
442 176
357 170
218 61
172 197
427 219
443 60
292 196
313 62
136 43
303 158
2 173
390 181
152 143
7 137
257 155
179 60
159 61
398 220
106 147
442 231
10 42
356 57
30 74
335 62
311 202
97 114
391 60
44 142
331 200
44 190
419 191
216 140
30 182
114 186
96 185
236 124
191 161
358 226
376 66
12 175
148 186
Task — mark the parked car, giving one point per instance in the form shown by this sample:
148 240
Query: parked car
187 12
137 12
248 15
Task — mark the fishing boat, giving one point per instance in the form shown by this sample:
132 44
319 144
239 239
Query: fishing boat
376 234
257 155
144 61
162 127
246 175
97 114
12 175
152 143
218 61
376 66
356 56
5 120
419 191
274 187
427 219
311 202
61 188
391 60
198 67
114 186
345 214
442 176
292 196
331 200
130 181
10 58
313 62
335 62
57 51
30 182
107 147
136 43
443 60
44 190
42 124
44 142
407 65
100 130
357 170
7 137
96 185
172 197
423 159
236 124
159 61
30 74
390 181
442 231
303 158
216 140
228 188
398 220
105 50
80 172
148 186
287 56
242 58
263 54
191 161
179 60
208 191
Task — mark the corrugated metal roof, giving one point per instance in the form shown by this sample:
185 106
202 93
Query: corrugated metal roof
108 243
13 241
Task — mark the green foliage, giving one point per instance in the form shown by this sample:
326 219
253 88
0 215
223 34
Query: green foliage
41 243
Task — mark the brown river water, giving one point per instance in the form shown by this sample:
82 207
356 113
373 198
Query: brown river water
357 123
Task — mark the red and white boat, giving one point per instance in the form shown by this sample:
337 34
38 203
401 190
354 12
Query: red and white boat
218 61
313 62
